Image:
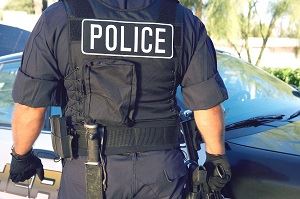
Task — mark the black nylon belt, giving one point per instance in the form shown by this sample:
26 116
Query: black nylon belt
120 140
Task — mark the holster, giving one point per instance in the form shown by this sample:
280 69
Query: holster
197 186
61 140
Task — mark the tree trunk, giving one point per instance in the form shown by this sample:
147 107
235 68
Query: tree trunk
251 6
235 48
261 51
248 50
38 6
266 38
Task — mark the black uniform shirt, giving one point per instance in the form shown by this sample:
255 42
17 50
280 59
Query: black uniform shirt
45 61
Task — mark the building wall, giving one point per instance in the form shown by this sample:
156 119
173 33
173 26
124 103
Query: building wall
3 3
28 21
279 52
12 18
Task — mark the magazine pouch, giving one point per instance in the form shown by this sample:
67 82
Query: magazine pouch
110 91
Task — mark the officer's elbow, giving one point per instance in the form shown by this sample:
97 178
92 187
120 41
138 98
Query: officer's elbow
28 112
210 116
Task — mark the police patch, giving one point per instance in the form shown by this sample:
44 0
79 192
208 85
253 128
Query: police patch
127 39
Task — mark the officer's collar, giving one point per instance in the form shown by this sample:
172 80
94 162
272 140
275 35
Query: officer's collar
128 4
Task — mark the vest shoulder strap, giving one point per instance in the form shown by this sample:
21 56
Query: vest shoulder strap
79 8
167 13
83 9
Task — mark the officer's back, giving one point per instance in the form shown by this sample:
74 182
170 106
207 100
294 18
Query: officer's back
117 64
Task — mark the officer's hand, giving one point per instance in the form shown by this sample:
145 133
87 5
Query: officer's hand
24 167
218 171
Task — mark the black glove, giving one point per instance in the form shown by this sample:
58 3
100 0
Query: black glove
218 171
23 167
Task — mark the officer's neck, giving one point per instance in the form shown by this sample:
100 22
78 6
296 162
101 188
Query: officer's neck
128 4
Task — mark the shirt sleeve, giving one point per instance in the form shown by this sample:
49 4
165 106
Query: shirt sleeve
202 86
38 80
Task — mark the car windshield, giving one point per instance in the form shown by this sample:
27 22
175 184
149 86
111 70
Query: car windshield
8 71
253 92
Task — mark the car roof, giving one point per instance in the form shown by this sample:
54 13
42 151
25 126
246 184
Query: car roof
11 57
13 39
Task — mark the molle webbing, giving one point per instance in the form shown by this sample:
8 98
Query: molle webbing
120 140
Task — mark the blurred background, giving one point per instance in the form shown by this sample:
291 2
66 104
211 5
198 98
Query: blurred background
265 33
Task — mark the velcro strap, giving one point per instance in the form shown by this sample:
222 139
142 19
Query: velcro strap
169 17
75 29
167 13
119 140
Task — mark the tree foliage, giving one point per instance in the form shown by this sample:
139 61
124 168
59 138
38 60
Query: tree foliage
197 5
249 22
290 76
21 5
293 29
235 21
278 9
220 17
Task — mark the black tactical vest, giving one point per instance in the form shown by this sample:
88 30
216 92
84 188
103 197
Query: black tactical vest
124 64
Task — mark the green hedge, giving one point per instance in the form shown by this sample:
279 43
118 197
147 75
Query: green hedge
290 76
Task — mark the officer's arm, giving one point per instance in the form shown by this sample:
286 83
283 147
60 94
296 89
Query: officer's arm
27 123
210 122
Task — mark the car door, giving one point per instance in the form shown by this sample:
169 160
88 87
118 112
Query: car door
32 188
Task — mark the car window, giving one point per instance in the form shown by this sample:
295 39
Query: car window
8 71
252 91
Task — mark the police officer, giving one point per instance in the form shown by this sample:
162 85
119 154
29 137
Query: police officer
117 64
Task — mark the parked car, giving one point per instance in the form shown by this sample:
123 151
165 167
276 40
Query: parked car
262 135
12 39
262 132
31 188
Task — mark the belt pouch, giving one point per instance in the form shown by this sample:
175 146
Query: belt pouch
61 141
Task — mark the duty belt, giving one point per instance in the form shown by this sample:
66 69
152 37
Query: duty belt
120 140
